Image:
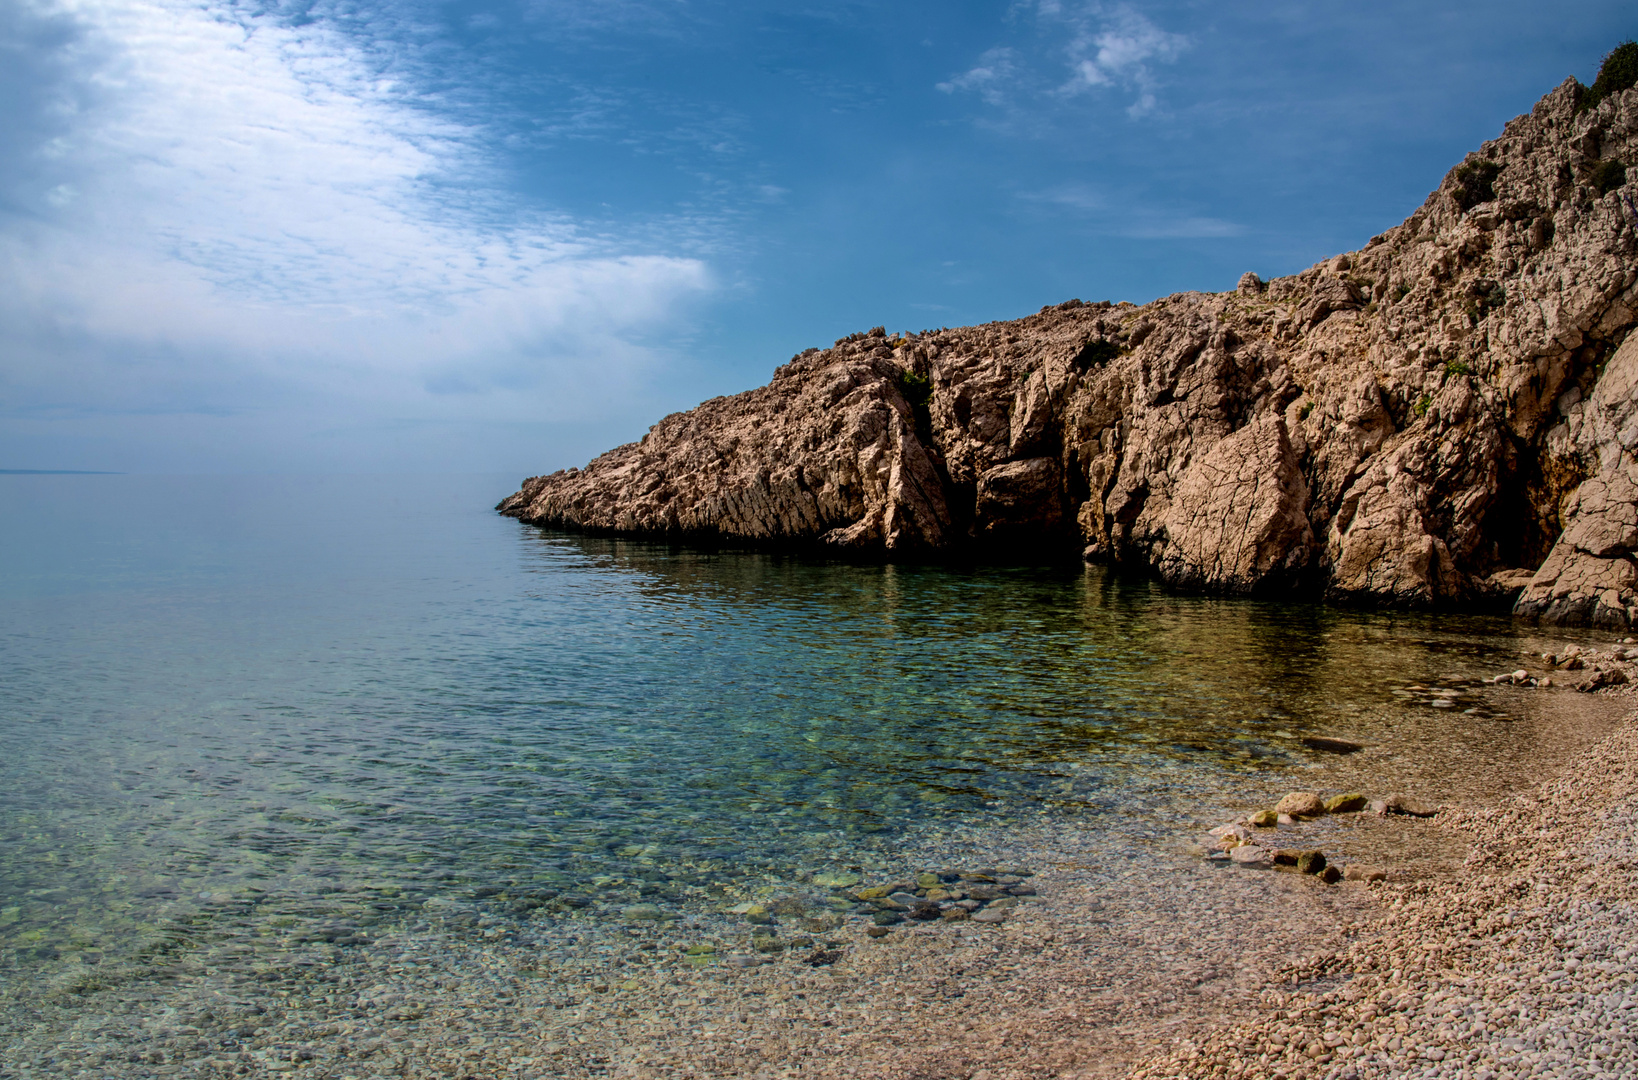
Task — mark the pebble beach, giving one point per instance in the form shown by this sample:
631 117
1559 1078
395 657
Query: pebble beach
1519 964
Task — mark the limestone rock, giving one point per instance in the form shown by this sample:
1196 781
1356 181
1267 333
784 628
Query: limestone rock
1419 422
1300 804
1237 521
1589 576
1020 499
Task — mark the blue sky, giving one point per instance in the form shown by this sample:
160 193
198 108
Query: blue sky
507 236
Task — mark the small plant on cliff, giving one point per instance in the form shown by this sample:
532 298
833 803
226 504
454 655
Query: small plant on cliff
918 391
1423 404
1475 183
1606 176
1458 367
1618 72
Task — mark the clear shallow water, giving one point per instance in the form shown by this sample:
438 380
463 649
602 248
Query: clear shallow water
288 693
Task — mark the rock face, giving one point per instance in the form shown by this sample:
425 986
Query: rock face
1447 416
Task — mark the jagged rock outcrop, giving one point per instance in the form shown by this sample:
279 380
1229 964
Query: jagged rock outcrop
1438 418
1589 575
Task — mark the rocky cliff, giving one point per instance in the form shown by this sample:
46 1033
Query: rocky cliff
1446 416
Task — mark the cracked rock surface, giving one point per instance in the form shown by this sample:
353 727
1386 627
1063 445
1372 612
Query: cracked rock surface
1445 417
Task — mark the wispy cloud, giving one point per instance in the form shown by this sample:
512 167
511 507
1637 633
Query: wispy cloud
208 207
1092 46
1129 215
991 78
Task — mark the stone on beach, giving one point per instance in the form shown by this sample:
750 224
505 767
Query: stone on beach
1252 855
1351 803
1522 965
1310 862
1409 806
1301 804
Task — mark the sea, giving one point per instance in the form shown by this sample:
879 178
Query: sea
270 690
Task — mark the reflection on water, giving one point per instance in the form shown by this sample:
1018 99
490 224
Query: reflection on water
257 694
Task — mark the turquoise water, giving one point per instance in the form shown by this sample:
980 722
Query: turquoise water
222 690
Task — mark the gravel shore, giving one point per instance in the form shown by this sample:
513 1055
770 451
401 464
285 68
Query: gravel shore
1520 965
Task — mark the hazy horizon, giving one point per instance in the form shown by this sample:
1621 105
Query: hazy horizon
504 237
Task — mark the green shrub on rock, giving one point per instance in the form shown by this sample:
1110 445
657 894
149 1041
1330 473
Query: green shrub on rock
917 389
1618 72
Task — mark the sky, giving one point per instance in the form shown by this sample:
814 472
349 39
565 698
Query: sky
506 236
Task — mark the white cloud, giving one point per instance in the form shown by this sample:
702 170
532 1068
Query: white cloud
213 209
1096 46
990 78
1117 49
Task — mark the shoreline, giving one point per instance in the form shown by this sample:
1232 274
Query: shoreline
1520 964
1151 960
